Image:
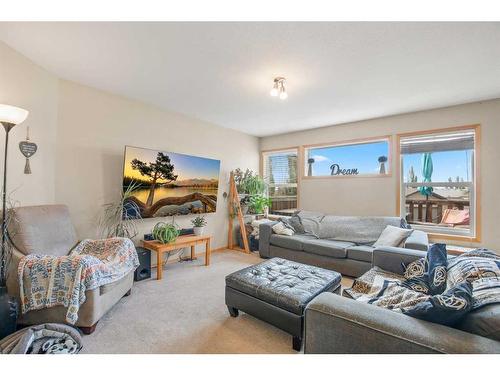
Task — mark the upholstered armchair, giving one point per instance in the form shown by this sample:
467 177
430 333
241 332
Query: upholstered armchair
47 230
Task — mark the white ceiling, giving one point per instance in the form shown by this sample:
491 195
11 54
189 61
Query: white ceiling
222 72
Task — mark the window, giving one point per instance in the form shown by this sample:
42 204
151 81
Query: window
280 172
438 184
363 158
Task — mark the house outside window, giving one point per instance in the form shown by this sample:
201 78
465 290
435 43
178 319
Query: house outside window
438 182
279 169
353 159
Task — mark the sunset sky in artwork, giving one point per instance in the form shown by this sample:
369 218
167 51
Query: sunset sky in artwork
186 166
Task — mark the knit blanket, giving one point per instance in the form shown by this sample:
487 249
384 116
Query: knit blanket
47 280
384 289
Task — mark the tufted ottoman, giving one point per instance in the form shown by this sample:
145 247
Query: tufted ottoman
277 291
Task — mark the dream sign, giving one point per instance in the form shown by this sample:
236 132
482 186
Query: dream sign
336 171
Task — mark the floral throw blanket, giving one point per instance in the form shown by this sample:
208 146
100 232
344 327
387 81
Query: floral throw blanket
47 280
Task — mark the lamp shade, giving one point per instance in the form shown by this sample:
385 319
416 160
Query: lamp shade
12 115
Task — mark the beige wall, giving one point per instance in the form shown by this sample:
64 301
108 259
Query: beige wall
93 129
25 85
81 134
377 196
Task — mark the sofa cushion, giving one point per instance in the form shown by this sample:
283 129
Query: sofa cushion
329 248
484 322
362 253
294 242
310 222
393 236
45 230
358 229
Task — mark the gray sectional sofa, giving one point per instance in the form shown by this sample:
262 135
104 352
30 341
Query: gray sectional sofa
340 325
341 243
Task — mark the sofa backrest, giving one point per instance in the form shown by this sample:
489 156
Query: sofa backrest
357 229
43 230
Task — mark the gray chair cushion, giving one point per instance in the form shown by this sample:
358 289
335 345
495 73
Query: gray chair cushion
329 248
43 230
295 242
283 283
363 253
484 321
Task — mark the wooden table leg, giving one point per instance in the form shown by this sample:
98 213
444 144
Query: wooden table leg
192 253
159 265
207 253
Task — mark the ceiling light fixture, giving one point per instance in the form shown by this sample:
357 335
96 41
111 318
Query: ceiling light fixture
279 88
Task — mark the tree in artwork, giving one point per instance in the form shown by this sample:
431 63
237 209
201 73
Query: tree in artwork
159 172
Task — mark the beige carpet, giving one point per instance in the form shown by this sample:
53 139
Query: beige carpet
185 313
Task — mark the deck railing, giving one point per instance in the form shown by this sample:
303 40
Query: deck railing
431 211
281 204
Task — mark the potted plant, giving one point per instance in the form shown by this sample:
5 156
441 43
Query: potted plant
259 203
165 233
8 305
198 223
248 184
117 219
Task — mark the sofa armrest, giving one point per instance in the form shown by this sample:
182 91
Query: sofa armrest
390 258
336 324
418 240
265 232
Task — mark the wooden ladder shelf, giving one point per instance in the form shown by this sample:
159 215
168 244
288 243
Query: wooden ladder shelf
235 211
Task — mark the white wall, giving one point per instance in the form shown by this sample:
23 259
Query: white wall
377 196
93 129
26 85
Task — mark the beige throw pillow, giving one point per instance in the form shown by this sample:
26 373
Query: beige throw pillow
280 228
393 236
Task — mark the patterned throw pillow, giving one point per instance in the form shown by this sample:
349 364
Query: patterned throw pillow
486 291
414 269
437 261
473 265
447 308
428 275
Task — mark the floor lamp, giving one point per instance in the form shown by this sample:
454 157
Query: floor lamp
10 116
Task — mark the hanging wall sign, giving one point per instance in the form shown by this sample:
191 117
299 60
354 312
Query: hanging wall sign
28 149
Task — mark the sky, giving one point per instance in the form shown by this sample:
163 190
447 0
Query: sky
445 164
186 166
364 157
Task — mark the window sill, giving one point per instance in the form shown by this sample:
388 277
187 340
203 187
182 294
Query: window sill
453 237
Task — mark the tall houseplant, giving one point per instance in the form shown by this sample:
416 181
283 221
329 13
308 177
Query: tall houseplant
10 116
116 219
248 184
8 305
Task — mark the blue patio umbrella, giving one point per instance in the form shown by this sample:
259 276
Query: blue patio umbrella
427 190
427 170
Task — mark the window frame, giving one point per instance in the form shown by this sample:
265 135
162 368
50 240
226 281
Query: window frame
298 150
352 142
474 186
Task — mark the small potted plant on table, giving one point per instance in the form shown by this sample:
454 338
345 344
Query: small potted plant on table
165 233
199 223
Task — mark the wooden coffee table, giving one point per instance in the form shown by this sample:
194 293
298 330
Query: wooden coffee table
179 243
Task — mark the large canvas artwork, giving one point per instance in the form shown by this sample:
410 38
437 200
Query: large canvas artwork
161 183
